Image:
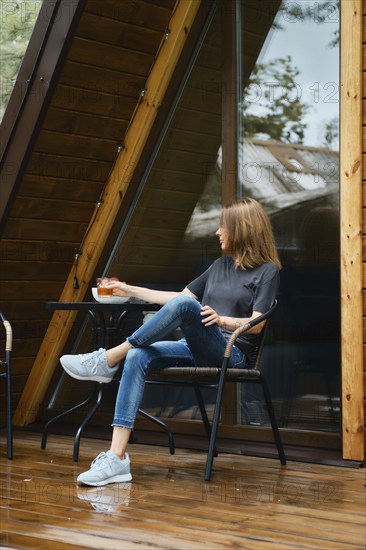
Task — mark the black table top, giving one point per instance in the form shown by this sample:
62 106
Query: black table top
98 306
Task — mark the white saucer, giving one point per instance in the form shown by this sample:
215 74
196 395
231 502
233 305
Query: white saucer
109 299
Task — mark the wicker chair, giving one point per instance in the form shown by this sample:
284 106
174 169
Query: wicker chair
198 377
7 376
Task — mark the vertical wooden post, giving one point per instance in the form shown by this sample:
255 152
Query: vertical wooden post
351 230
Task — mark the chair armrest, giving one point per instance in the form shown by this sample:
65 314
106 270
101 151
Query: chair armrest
245 328
9 333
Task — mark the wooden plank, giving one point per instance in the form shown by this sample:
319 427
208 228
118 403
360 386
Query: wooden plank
191 121
72 145
29 308
161 219
110 57
58 166
206 98
118 33
157 274
117 185
36 251
35 271
39 229
351 224
104 80
92 101
150 253
34 289
57 188
141 14
186 161
54 209
147 236
162 3
171 180
179 201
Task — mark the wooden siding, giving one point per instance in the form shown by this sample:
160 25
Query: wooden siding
109 60
364 195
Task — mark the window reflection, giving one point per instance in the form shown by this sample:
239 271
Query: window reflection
289 161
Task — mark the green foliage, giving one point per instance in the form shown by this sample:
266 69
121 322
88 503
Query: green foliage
331 136
272 107
17 19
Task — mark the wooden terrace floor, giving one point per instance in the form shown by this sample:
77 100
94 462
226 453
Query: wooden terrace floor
250 503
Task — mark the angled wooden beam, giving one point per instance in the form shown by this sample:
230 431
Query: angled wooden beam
351 230
117 185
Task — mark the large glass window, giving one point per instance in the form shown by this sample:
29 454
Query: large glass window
18 18
288 154
288 159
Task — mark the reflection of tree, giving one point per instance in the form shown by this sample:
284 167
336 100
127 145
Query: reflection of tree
272 106
18 18
319 12
331 136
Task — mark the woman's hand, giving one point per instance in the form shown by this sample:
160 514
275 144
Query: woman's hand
210 317
120 288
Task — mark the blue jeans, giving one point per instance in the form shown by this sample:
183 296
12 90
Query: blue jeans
202 346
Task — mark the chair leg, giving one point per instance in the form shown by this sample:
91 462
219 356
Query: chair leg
272 417
9 408
162 425
215 421
201 405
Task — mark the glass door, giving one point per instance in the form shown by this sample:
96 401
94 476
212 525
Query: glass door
288 154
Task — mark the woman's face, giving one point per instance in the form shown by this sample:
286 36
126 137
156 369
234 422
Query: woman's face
222 235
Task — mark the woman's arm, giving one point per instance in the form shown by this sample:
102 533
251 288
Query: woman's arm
210 317
159 297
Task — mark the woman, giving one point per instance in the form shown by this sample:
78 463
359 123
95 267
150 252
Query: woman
237 287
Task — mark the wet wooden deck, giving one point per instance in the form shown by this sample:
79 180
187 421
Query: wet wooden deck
250 503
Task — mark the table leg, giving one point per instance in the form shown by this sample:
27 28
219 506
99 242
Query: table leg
85 422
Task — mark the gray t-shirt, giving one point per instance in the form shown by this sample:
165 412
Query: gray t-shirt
235 292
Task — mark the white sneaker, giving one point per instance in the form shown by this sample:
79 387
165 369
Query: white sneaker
89 366
106 468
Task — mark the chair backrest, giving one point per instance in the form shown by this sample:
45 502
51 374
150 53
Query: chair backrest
244 328
256 357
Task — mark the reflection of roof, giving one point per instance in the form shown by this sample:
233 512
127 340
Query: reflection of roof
279 175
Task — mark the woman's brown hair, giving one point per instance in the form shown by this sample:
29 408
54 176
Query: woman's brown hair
249 234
